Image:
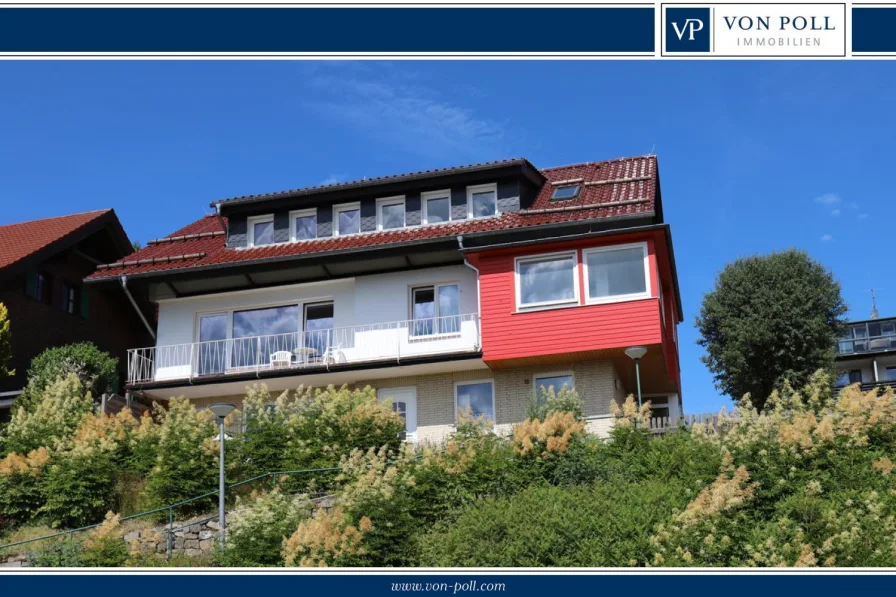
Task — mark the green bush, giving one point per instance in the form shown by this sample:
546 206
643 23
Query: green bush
96 369
21 485
78 489
60 553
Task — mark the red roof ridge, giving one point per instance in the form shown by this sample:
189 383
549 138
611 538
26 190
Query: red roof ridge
80 213
593 162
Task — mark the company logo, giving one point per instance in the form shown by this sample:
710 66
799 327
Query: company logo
687 29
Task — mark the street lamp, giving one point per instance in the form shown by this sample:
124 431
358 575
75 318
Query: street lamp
635 353
221 411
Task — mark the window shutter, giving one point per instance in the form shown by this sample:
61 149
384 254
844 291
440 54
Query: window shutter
31 284
85 303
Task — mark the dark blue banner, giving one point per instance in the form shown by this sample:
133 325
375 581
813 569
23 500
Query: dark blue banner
874 29
327 30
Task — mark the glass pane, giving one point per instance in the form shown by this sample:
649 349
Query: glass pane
543 384
423 311
484 204
392 216
438 210
449 309
855 376
615 273
567 192
887 329
212 344
259 333
477 397
891 373
306 227
318 323
349 221
549 280
263 233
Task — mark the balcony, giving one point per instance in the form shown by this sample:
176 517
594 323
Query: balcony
868 337
318 350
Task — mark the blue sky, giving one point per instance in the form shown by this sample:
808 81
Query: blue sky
754 156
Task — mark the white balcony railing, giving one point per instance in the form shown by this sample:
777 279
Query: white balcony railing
318 349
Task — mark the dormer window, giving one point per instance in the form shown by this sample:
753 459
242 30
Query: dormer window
346 219
303 224
562 193
436 207
390 213
261 230
482 200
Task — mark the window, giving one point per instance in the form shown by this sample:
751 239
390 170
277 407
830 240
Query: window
482 200
436 207
212 348
259 333
564 192
891 373
616 273
38 286
477 396
849 377
68 298
318 327
435 310
346 219
303 224
544 383
261 230
390 213
545 280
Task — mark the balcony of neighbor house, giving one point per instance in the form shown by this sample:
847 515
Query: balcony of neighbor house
866 354
867 337
308 351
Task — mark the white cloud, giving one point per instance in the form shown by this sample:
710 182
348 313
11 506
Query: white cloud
835 212
828 199
331 179
826 238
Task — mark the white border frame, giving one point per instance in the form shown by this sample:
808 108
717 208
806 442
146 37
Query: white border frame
543 374
341 207
301 213
436 314
473 382
618 298
251 221
479 188
425 197
394 200
575 301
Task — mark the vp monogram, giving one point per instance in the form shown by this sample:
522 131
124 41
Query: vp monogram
691 26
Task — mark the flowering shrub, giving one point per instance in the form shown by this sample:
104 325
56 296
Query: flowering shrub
545 401
96 370
53 418
548 437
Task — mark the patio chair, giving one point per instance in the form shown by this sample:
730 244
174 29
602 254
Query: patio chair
281 358
333 355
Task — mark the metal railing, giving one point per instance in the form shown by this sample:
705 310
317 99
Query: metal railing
309 349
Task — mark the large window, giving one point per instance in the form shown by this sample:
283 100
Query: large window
435 310
482 200
436 207
546 280
212 348
259 333
477 397
616 273
556 382
390 213
303 224
347 219
261 230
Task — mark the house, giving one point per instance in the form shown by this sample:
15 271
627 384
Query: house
42 267
462 287
866 354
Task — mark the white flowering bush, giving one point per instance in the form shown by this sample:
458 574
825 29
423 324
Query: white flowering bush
258 527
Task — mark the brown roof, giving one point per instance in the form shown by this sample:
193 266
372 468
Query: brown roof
19 241
621 187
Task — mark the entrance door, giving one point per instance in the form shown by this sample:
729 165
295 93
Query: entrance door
404 402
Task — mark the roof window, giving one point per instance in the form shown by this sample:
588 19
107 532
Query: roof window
570 191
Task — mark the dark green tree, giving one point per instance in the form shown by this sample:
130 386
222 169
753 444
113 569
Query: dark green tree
770 318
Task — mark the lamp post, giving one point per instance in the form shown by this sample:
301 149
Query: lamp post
635 353
221 411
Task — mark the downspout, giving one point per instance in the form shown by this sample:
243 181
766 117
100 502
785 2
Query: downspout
460 245
220 217
124 286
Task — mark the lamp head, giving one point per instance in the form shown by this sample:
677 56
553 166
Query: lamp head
222 409
635 352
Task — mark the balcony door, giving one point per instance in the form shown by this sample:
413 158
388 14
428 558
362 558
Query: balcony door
404 402
319 328
212 350
435 310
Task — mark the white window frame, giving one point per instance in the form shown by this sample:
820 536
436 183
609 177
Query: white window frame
492 186
543 374
301 213
425 198
619 297
547 304
341 207
394 200
251 221
474 382
436 315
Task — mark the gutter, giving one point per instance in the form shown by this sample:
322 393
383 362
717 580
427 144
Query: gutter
124 286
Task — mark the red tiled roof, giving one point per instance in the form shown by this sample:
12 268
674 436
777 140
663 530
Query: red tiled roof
625 186
18 241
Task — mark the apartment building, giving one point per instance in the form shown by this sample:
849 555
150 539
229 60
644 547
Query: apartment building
866 354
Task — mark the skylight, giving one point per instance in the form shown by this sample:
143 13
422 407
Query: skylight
566 192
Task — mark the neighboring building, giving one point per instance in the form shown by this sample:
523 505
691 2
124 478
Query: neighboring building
867 354
42 266
444 289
